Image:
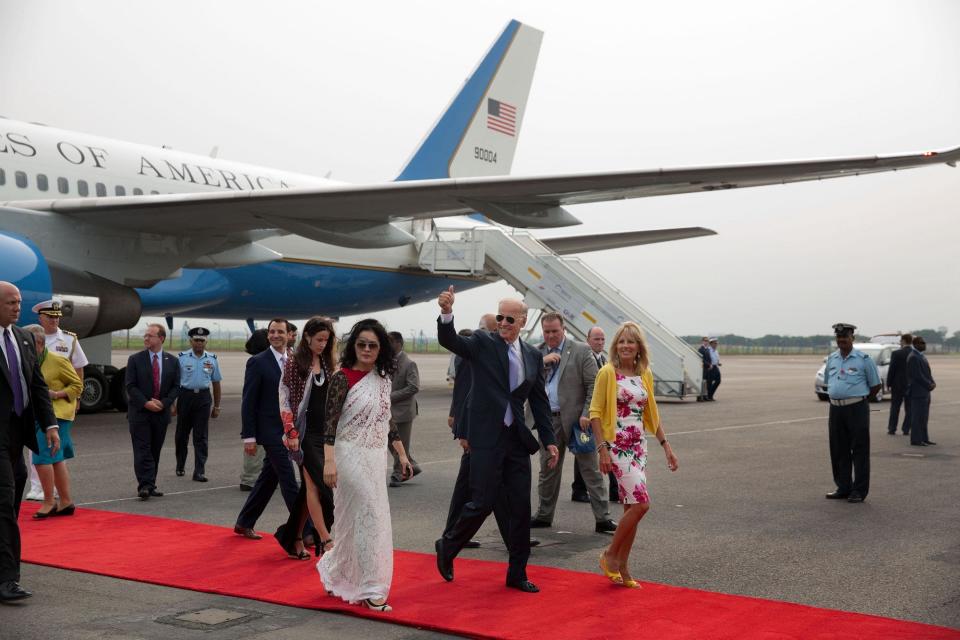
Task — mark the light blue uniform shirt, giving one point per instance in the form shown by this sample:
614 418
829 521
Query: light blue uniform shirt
553 382
850 377
198 372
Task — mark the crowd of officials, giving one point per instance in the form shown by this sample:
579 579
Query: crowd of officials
330 411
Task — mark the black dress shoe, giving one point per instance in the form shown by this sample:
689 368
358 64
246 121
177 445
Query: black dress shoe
929 444
580 496
918 444
11 590
534 542
395 482
536 523
245 487
144 494
472 544
156 494
837 495
247 532
606 526
444 565
524 585
199 477
891 433
180 472
855 497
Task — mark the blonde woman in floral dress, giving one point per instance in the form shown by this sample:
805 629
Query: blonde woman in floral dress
622 412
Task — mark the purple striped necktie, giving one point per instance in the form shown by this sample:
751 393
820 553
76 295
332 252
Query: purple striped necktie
13 364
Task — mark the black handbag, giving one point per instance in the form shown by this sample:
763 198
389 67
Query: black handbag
581 441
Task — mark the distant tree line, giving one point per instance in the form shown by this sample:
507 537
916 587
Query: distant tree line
937 342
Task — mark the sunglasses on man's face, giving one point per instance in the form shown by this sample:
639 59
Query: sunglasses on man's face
509 319
364 346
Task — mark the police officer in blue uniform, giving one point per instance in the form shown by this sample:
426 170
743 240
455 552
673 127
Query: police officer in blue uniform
199 370
852 379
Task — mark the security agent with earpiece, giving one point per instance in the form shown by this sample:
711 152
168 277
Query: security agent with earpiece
852 379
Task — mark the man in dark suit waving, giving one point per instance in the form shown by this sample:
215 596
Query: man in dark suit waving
24 402
260 415
153 384
506 373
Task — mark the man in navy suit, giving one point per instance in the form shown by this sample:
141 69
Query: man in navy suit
919 385
704 351
897 382
153 383
506 373
24 403
260 414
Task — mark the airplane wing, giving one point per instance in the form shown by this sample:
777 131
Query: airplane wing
565 245
360 215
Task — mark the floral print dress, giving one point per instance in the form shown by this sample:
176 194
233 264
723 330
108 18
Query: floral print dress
629 451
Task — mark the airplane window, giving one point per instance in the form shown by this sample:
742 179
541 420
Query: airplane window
42 183
137 191
63 185
154 193
101 190
120 191
3 177
82 188
21 179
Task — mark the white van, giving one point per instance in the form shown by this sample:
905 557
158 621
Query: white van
881 357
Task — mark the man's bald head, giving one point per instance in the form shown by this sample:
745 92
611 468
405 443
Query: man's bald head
488 321
9 303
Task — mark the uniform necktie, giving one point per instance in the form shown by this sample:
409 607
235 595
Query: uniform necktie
156 376
13 364
514 359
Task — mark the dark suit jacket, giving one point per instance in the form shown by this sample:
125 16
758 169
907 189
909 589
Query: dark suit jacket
139 381
919 378
260 407
897 373
705 356
461 391
490 392
38 409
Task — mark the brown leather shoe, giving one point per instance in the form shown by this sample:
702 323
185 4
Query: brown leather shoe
246 532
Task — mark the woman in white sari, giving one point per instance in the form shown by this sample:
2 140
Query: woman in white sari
359 569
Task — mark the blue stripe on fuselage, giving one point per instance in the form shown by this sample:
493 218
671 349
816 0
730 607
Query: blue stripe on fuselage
292 289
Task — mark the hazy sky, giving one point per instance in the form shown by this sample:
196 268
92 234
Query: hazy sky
352 87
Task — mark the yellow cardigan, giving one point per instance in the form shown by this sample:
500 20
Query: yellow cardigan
60 375
603 405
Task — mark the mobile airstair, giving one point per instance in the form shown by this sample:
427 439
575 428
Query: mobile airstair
566 285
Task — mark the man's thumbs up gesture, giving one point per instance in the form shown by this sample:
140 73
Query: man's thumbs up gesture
446 301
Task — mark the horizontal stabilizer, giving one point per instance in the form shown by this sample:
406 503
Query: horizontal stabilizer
599 242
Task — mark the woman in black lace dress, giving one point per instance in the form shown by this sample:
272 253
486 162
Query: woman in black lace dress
303 395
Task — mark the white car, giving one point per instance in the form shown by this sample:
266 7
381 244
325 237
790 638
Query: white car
881 357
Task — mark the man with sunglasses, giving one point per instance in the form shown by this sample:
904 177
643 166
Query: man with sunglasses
199 371
507 372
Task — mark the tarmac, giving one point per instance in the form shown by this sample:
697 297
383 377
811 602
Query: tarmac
744 514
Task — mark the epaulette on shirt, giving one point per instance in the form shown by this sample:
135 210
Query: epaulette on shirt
70 333
183 353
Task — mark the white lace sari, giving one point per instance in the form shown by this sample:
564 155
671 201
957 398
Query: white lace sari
360 565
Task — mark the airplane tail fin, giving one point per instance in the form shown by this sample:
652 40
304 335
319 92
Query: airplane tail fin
477 134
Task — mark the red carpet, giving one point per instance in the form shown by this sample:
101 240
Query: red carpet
572 605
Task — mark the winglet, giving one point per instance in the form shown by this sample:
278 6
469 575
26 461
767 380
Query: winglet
477 134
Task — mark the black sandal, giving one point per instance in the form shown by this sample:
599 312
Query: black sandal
320 548
298 555
370 604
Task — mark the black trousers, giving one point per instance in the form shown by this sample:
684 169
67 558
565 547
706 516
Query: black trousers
147 434
277 469
713 381
849 428
919 416
461 495
503 468
13 478
579 486
896 400
193 414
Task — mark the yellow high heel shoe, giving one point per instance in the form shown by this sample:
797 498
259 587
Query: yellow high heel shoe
613 576
632 584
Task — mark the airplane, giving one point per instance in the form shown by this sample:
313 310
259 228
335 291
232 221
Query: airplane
119 230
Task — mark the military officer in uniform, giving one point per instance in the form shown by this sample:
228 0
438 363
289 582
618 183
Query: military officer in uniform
64 344
199 371
852 379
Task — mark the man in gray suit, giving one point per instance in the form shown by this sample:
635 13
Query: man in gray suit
403 404
569 369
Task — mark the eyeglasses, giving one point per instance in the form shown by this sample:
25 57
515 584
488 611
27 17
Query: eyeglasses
509 319
367 346
151 335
